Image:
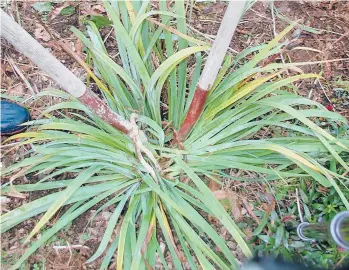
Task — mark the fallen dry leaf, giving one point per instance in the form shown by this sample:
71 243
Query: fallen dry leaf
41 33
214 185
99 9
15 194
78 48
87 9
288 218
235 205
220 194
232 198
249 209
271 203
323 189
19 173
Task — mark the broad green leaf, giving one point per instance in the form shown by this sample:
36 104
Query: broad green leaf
279 235
43 7
67 11
99 20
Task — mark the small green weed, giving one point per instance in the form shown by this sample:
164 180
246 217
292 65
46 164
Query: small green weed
281 239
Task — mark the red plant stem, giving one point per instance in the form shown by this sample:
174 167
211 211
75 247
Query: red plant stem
195 109
101 109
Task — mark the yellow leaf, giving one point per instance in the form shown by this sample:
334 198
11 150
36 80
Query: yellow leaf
240 93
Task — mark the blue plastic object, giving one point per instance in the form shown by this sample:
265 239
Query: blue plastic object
12 115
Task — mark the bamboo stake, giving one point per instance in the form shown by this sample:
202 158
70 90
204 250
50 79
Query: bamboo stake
27 45
213 64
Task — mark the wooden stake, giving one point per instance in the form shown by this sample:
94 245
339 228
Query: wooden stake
40 56
213 64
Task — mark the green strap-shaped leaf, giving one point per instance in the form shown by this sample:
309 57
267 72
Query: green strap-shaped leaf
64 196
105 59
123 232
61 223
111 224
182 68
130 47
306 121
139 20
145 225
165 68
216 207
185 209
108 256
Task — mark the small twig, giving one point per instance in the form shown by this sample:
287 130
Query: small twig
340 38
70 253
207 37
341 260
323 90
13 192
20 173
107 36
260 15
274 29
299 206
273 17
71 247
19 72
3 146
